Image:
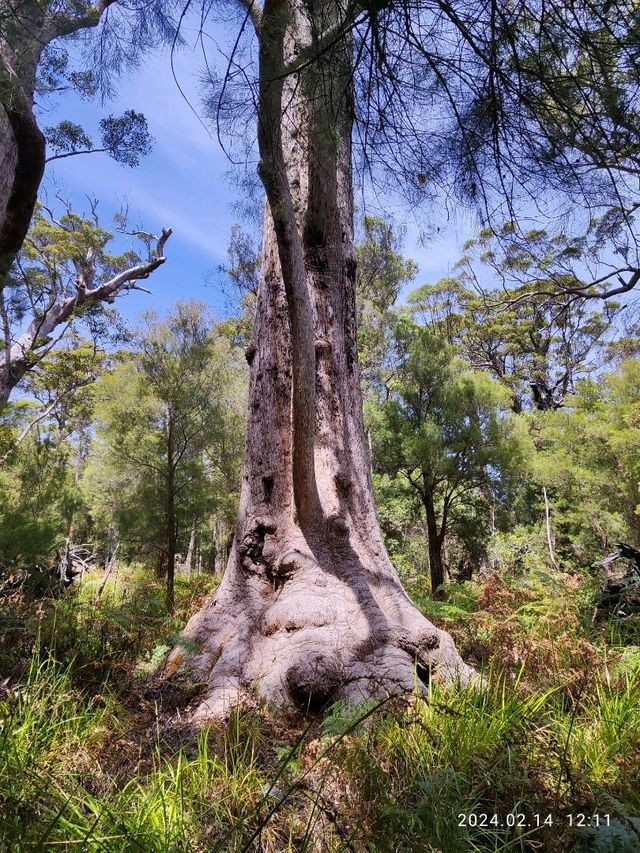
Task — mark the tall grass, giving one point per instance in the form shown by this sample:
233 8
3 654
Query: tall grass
87 762
47 731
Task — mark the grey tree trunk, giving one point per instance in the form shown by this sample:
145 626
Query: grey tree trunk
310 608
27 27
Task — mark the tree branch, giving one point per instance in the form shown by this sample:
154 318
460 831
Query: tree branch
44 414
75 153
21 357
253 10
64 25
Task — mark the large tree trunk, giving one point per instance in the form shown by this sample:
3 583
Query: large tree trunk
310 608
22 144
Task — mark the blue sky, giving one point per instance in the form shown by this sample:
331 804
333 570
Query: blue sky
184 183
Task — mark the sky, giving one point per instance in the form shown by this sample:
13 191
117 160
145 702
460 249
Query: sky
184 184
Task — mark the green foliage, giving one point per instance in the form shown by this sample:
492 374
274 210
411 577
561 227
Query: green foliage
38 497
169 437
45 724
444 430
67 137
519 551
554 730
62 259
243 271
587 459
537 343
126 138
381 273
573 436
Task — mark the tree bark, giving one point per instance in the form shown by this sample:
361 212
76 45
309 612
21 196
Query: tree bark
435 538
27 28
188 560
548 530
170 518
22 159
310 608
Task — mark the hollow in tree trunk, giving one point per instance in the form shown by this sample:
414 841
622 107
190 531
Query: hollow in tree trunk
310 608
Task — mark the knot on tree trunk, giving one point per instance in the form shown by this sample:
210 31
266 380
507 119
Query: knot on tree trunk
258 547
312 683
337 525
290 563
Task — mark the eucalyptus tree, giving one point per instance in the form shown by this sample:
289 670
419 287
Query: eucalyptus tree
64 276
381 273
35 38
537 344
310 607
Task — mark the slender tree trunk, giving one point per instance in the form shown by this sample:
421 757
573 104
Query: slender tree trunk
310 608
110 563
435 539
161 564
549 532
188 561
171 569
170 519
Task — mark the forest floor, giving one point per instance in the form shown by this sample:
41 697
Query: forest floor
546 758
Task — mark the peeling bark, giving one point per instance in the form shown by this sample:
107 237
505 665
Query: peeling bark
310 608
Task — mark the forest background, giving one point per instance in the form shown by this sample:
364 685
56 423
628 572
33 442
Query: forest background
503 424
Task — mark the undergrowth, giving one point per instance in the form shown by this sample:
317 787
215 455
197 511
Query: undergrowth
87 761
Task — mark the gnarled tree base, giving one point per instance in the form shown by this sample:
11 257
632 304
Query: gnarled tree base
307 623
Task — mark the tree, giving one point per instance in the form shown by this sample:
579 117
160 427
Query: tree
168 436
63 276
33 59
38 497
532 335
59 393
125 138
381 273
444 429
44 438
587 461
310 607
243 271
